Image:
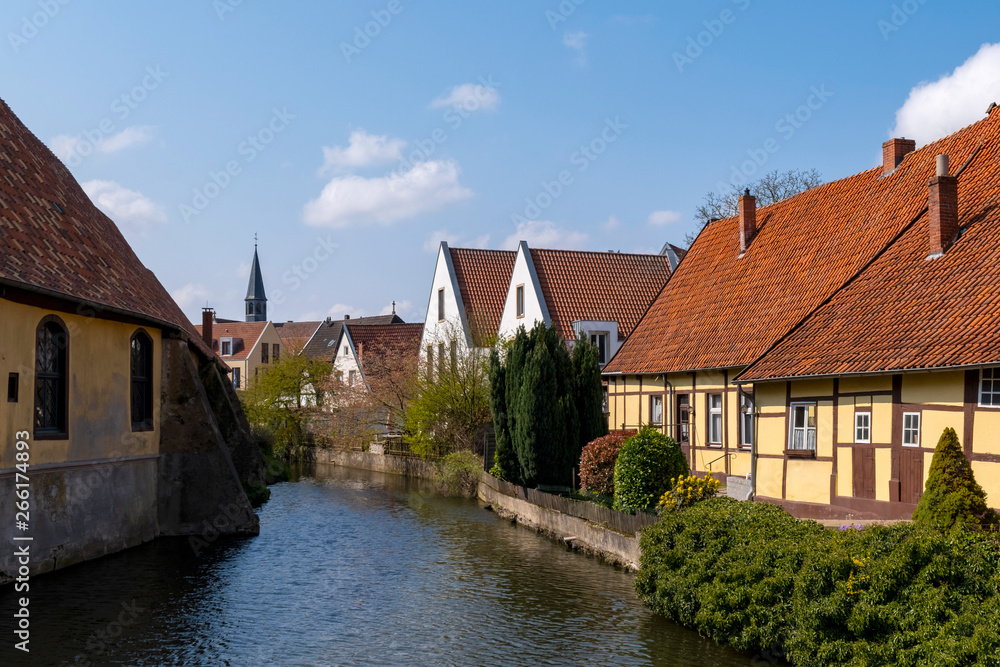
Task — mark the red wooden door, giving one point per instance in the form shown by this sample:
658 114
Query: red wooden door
864 473
911 475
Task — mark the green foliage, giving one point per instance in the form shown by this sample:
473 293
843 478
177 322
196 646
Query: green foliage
459 474
589 395
257 493
505 458
541 426
686 490
753 577
597 462
646 463
952 499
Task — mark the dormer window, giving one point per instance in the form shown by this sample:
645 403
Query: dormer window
600 341
227 347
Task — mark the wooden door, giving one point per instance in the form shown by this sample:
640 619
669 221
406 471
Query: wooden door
911 475
864 473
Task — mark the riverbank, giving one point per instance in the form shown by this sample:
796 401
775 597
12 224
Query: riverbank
397 465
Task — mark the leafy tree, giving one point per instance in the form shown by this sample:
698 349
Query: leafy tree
647 463
506 466
770 188
589 395
952 498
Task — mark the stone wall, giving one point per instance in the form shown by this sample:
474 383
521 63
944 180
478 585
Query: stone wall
399 465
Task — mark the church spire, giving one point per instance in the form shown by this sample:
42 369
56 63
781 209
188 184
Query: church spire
256 300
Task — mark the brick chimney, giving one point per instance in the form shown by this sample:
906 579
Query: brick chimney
942 208
207 318
748 220
347 317
893 152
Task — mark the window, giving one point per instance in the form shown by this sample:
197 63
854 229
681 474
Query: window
454 357
430 362
802 434
340 376
346 351
350 377
519 291
275 351
263 353
989 388
862 427
441 305
656 410
249 309
51 378
13 387
441 360
911 429
227 347
600 341
746 420
683 418
236 378
142 382
715 419
604 400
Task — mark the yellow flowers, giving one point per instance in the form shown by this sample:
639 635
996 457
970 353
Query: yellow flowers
687 490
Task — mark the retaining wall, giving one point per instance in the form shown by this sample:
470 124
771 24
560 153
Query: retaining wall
399 465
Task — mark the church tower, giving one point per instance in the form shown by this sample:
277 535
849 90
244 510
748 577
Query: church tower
256 300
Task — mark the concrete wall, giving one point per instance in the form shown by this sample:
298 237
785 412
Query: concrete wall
399 465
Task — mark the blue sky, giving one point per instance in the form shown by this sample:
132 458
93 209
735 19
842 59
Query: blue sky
582 124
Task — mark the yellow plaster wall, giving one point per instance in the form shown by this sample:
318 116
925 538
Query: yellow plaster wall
881 421
934 422
883 473
988 476
769 477
845 471
854 385
98 405
803 388
740 464
824 429
986 434
940 388
808 481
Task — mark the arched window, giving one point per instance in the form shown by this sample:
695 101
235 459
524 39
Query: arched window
142 382
51 353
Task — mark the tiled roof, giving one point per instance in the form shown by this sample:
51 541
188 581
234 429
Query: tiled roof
55 241
722 311
322 343
905 312
381 339
483 278
295 335
607 286
245 334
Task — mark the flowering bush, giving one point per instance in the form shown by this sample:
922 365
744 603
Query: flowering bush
687 490
597 462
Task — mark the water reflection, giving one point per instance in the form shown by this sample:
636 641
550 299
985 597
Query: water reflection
354 568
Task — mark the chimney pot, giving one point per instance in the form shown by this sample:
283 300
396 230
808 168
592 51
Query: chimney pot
893 152
347 317
748 220
942 165
942 208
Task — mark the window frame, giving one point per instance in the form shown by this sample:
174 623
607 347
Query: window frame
453 356
146 422
351 376
13 387
519 301
792 428
236 378
61 430
440 368
905 429
744 416
867 414
713 412
683 416
655 399
994 392
275 352
601 343
441 304
264 354
224 345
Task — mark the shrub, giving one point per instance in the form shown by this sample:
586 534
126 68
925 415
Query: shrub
686 491
952 499
459 474
597 462
257 493
646 463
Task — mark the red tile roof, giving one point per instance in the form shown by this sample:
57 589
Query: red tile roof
379 339
722 311
483 279
295 335
245 335
905 312
77 254
606 286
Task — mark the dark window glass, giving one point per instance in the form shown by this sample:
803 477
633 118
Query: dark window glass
50 379
142 382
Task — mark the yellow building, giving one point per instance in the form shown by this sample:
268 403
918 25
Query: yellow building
827 340
245 347
105 377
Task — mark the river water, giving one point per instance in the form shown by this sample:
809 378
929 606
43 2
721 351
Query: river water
353 568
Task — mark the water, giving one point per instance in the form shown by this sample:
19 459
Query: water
353 568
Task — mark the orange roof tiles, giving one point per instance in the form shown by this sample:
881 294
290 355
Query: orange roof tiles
905 312
380 339
723 311
77 254
483 277
606 286
295 335
245 335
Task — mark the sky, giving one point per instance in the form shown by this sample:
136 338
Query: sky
352 137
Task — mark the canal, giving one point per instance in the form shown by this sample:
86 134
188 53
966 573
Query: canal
353 568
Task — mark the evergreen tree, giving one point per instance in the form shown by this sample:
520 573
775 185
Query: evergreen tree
952 499
506 466
589 395
540 423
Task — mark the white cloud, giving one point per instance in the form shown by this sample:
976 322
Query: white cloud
545 234
71 149
401 307
578 42
433 241
469 97
363 150
243 270
661 218
612 223
352 199
938 108
190 297
338 310
124 206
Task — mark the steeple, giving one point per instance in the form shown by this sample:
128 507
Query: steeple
256 300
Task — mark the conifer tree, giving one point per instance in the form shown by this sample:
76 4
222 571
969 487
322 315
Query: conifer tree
541 425
589 395
506 466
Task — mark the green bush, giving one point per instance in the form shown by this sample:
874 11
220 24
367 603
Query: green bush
257 493
459 474
753 577
646 463
952 499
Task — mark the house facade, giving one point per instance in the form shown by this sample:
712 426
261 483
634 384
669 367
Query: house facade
245 347
376 341
822 344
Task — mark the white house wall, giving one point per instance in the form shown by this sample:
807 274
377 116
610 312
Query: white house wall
454 325
534 305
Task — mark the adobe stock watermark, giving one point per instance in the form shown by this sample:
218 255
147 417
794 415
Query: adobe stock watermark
363 35
223 7
301 271
454 117
786 126
248 150
87 142
34 23
562 12
698 43
582 158
101 640
899 16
